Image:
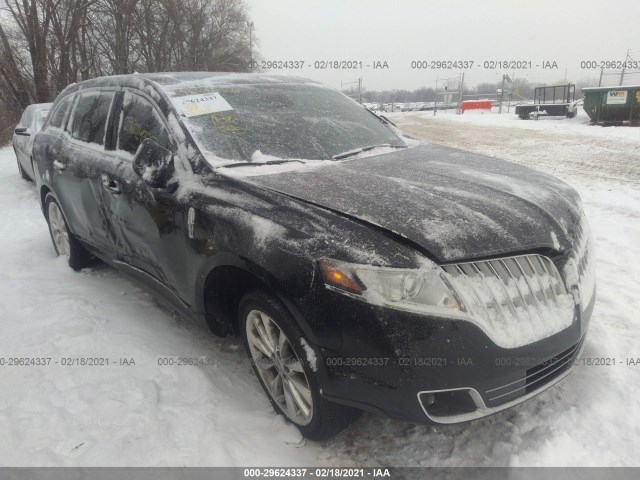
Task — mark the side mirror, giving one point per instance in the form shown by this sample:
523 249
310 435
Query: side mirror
22 131
154 164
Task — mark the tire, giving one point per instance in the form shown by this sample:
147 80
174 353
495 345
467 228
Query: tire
285 355
64 242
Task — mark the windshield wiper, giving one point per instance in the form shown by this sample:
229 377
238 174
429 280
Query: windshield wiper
382 118
258 164
356 151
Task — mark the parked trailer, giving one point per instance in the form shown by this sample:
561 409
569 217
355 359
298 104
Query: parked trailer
614 104
556 100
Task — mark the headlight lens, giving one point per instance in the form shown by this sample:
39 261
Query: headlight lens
423 290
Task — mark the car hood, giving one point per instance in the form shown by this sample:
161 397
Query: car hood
454 204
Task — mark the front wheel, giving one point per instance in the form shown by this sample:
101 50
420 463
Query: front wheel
64 242
286 367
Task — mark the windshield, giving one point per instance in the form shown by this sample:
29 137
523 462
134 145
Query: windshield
280 120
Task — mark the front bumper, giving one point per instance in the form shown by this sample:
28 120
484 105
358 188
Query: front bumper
434 370
535 381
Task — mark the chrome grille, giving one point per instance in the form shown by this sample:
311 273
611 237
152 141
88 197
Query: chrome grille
584 256
517 299
513 284
579 269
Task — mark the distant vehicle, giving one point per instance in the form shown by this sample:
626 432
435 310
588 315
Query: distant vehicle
553 101
410 107
31 122
427 107
362 270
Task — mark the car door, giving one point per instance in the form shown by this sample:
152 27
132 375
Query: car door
37 120
76 166
144 221
21 142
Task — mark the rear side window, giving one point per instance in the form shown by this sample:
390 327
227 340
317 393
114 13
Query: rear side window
139 121
41 116
25 121
60 113
90 117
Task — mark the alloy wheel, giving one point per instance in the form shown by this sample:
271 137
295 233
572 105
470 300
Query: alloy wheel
279 367
59 231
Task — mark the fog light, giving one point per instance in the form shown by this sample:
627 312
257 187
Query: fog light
427 399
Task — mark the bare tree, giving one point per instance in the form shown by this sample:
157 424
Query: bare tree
193 47
156 29
13 79
47 44
66 19
33 17
229 35
113 31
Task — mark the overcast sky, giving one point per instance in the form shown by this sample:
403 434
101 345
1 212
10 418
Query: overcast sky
401 31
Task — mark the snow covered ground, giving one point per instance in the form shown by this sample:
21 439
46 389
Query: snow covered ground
568 148
148 414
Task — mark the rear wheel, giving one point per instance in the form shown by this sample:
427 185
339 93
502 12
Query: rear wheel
286 367
64 242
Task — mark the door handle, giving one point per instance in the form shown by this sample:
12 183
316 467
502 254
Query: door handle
109 183
59 165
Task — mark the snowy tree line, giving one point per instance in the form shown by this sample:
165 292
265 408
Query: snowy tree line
47 44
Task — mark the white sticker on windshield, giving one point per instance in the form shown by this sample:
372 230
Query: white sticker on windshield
194 105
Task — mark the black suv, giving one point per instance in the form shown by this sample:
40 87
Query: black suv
364 270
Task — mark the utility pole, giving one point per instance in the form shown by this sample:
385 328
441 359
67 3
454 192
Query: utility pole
623 67
601 73
359 82
501 95
504 77
460 94
250 25
435 103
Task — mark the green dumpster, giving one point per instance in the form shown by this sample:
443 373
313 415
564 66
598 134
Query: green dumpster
614 104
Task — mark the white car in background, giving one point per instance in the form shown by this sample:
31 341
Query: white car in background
31 122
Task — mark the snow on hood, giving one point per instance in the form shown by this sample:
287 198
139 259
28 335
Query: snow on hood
456 205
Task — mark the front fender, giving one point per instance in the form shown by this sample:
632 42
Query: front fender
267 281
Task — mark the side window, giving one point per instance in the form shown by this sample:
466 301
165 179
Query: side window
90 117
25 121
139 121
41 116
60 113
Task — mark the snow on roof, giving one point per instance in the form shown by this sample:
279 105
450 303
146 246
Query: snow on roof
173 80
